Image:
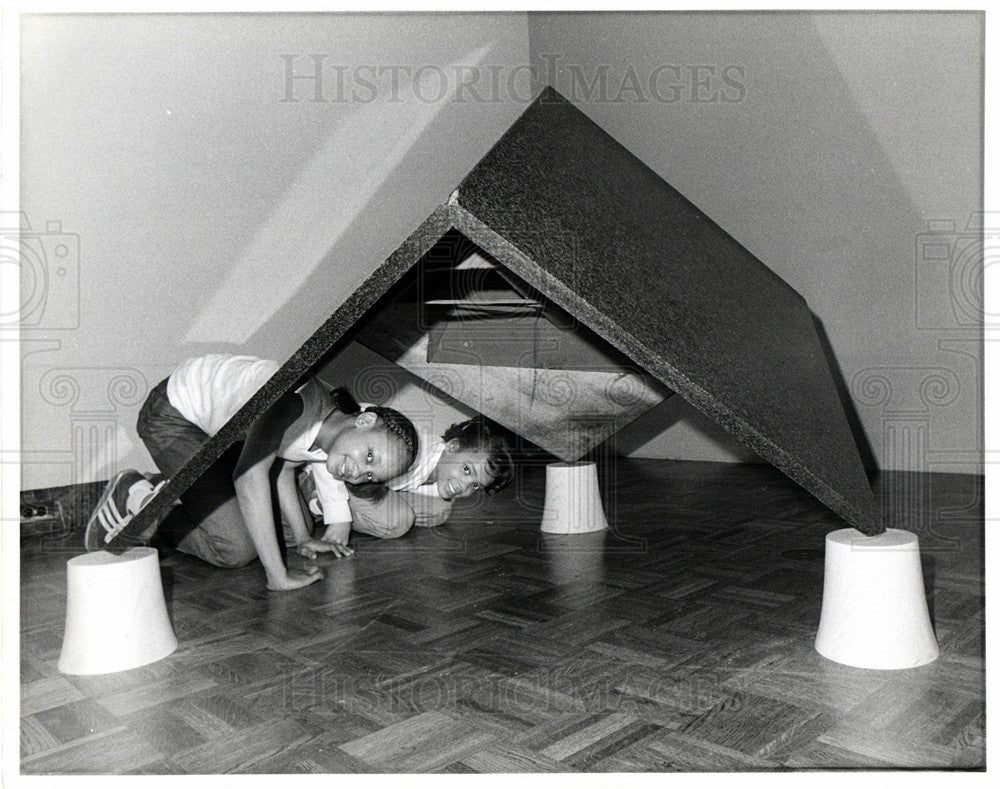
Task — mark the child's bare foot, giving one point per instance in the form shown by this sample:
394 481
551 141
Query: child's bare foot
295 579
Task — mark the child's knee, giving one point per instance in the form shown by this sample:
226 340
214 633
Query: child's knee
232 556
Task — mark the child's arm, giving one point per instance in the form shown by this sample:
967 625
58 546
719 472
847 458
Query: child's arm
291 509
337 534
253 491
333 499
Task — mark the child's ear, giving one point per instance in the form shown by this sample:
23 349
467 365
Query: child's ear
452 445
366 419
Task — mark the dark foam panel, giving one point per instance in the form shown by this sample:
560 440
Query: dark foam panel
569 210
572 212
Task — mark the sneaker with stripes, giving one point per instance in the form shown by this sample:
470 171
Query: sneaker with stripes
126 494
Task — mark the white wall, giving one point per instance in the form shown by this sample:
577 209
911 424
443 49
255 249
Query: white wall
210 213
851 132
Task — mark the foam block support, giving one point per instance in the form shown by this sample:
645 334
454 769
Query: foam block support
874 606
572 499
116 615
569 210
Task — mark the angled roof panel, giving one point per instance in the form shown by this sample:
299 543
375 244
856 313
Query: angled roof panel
570 211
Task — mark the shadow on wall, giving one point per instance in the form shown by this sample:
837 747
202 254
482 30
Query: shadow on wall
342 180
347 218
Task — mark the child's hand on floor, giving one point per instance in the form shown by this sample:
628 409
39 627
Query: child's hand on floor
336 536
310 548
294 579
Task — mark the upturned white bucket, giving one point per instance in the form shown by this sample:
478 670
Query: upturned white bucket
874 610
572 499
116 616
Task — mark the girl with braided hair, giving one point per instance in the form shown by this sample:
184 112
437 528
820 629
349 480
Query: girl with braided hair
471 456
227 515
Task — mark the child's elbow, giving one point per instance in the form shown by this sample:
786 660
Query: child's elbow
399 522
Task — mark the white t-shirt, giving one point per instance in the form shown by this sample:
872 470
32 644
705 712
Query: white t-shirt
209 390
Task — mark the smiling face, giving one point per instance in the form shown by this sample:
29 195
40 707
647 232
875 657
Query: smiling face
461 472
365 452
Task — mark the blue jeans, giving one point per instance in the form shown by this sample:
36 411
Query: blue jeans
209 525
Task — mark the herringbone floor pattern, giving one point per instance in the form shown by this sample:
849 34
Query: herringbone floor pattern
682 641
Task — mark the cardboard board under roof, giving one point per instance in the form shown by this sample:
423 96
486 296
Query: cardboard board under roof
569 211
480 336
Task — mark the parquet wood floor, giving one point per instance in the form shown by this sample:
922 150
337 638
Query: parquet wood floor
681 641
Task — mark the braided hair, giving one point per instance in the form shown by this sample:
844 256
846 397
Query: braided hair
392 422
